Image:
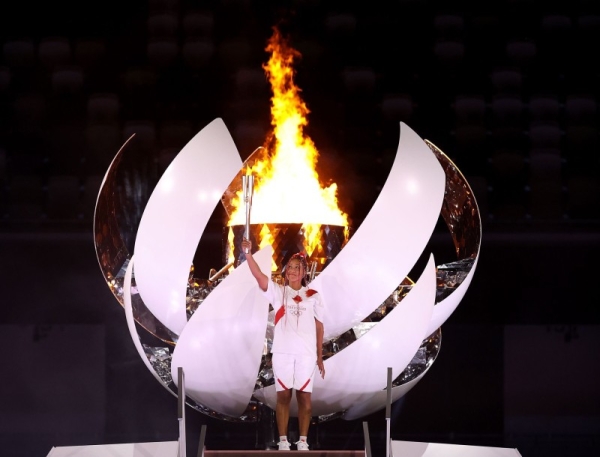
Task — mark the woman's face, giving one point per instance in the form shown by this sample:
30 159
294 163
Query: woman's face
294 271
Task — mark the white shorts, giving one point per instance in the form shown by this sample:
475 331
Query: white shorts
293 371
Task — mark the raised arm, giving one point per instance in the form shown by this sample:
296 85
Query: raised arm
261 278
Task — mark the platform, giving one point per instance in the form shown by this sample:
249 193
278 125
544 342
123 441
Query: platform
170 449
417 449
272 453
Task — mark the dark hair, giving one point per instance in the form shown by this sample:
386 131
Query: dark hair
300 257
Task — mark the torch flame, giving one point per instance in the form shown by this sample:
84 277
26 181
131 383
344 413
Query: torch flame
287 188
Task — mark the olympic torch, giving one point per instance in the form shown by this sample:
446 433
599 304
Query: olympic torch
247 191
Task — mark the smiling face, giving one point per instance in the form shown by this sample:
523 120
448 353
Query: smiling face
294 273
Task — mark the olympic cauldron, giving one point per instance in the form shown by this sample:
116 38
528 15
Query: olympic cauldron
219 329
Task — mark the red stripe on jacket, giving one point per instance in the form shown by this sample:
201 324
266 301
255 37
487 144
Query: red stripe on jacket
279 314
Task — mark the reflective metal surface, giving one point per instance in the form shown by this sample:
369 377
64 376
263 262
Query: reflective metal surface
461 214
110 213
422 360
460 210
451 275
123 194
160 359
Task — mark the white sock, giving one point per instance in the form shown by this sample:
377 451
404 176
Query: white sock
283 438
302 438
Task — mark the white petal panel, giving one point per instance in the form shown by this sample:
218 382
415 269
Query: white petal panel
175 217
446 307
378 399
359 371
220 348
390 240
131 321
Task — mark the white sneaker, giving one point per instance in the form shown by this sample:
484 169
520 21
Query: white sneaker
302 445
284 445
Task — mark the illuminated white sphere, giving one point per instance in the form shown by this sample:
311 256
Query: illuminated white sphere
222 345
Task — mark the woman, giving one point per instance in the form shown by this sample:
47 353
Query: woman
297 341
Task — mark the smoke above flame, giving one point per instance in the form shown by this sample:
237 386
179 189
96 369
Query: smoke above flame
287 187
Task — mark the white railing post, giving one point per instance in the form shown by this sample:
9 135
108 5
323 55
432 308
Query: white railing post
181 410
367 439
201 443
388 414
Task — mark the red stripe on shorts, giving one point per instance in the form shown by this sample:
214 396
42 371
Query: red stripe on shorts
283 385
279 314
305 384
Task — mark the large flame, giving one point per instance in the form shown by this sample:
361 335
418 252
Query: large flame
287 188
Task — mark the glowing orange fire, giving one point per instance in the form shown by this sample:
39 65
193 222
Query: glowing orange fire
287 188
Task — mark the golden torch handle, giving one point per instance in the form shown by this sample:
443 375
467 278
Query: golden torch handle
247 190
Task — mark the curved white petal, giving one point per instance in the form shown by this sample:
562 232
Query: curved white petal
220 348
131 322
378 399
446 307
175 217
389 241
356 373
